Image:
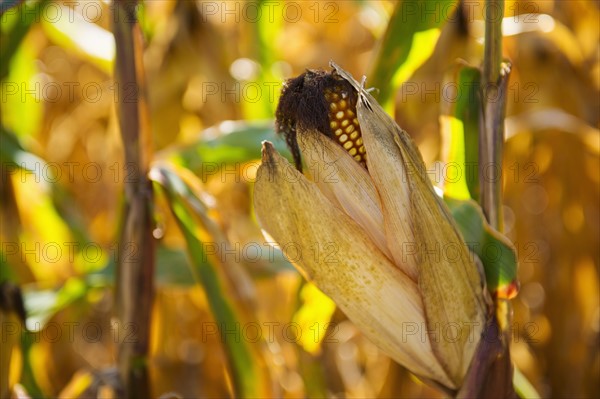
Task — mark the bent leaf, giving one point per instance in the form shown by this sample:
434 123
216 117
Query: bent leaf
493 249
229 142
249 374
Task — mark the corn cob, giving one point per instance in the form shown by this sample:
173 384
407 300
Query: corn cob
322 101
344 124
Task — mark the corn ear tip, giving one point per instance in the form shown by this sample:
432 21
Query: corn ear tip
267 151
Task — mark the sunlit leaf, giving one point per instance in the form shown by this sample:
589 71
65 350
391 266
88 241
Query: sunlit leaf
455 185
313 317
259 96
422 47
522 385
45 242
461 132
22 91
78 385
15 25
74 32
409 41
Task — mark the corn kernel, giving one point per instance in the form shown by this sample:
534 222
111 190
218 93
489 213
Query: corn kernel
344 123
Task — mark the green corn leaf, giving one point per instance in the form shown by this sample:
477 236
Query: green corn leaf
248 372
15 25
42 305
463 135
227 143
495 251
408 42
468 109
524 388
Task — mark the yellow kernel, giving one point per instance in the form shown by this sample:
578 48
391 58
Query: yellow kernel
358 158
335 97
333 106
345 123
348 145
339 115
352 151
338 132
361 149
343 138
343 104
354 135
359 141
350 129
355 121
349 113
333 125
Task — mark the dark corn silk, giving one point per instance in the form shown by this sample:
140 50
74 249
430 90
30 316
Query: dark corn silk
322 101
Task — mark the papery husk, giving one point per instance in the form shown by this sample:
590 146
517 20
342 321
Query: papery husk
345 183
418 225
374 293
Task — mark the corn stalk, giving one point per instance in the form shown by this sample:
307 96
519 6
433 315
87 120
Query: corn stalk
136 252
491 373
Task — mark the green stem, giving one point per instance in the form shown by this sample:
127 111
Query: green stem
492 134
491 370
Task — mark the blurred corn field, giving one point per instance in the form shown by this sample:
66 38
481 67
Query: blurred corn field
95 144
